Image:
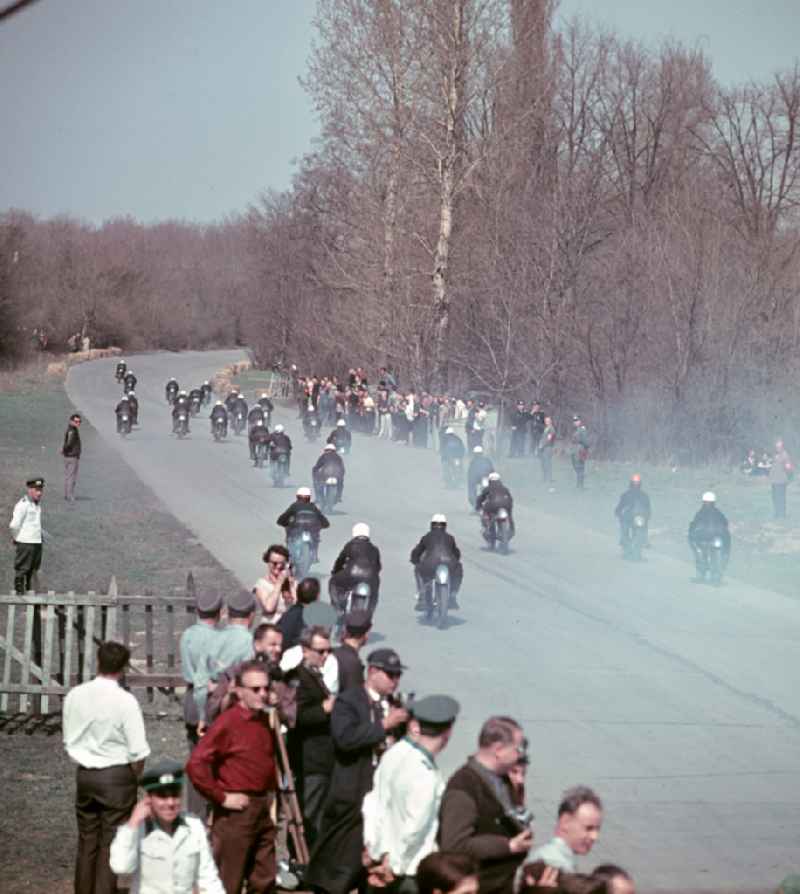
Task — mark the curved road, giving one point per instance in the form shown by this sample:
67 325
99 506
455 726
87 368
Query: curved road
679 704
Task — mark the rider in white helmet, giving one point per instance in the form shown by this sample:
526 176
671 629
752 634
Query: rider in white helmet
437 547
708 525
359 561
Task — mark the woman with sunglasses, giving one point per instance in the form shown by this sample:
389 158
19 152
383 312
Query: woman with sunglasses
275 592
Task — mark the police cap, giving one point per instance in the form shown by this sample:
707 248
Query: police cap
208 603
164 774
35 482
358 622
242 602
441 710
387 660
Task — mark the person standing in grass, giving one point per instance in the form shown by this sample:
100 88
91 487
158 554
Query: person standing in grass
26 534
71 451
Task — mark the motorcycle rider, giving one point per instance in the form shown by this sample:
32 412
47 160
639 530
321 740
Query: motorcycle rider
708 524
437 547
310 416
340 437
579 452
634 501
230 400
451 447
196 400
519 426
301 516
266 405
256 414
122 368
258 434
359 560
280 443
123 408
219 415
207 391
495 496
181 405
329 465
133 402
480 467
171 390
130 381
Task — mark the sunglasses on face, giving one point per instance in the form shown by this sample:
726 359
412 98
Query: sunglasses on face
326 651
258 688
280 564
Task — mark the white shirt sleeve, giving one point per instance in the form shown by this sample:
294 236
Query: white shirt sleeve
330 674
17 518
124 852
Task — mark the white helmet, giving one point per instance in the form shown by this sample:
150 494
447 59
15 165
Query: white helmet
131 393
341 423
303 492
206 382
183 393
329 447
219 404
360 530
477 449
439 519
709 497
278 429
264 394
448 430
493 476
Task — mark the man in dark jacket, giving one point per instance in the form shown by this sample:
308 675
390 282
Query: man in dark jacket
480 467
219 416
301 516
359 560
340 437
537 426
280 443
350 669
496 496
310 742
255 416
632 503
133 402
123 413
520 419
258 434
361 720
708 524
437 547
477 816
71 451
329 465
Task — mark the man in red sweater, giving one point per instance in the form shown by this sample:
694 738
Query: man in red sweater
233 766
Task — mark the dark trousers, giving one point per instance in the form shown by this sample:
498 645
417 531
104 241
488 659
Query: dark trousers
517 442
104 800
195 802
27 561
779 500
243 844
314 790
70 476
580 470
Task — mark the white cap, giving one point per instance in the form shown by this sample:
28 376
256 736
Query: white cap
709 497
439 519
329 447
131 393
448 430
303 491
278 429
493 476
264 394
477 449
360 530
341 423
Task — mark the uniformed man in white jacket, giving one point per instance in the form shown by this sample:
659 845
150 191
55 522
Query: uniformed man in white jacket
401 813
26 532
166 851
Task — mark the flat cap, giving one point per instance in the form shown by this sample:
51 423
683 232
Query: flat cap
319 614
164 774
208 602
242 601
439 709
358 622
34 482
387 660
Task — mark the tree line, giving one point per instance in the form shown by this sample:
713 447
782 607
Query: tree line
498 204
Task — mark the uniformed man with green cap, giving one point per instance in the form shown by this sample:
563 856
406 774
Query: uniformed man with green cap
27 534
401 813
166 851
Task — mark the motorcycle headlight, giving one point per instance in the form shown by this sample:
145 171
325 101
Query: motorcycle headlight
362 589
442 574
638 520
717 542
502 514
305 537
332 481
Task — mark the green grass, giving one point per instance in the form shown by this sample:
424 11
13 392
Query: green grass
765 553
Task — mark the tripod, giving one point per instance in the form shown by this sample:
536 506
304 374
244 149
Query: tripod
287 795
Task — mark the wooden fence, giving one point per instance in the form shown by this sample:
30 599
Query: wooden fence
51 640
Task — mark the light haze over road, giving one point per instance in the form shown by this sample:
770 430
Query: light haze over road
679 704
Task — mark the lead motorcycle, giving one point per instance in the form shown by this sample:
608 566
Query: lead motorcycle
182 424
452 472
279 466
436 595
327 496
710 560
634 538
497 530
300 544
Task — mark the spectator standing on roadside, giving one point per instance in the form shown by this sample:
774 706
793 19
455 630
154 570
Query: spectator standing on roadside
779 476
71 451
401 813
161 847
275 591
478 814
233 642
291 623
233 766
547 443
580 816
197 643
104 734
26 534
579 451
350 668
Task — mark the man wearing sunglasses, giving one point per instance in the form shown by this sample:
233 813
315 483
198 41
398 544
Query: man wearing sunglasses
71 451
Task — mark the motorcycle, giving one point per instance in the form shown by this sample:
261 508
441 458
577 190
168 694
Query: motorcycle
280 469
452 472
301 551
710 561
195 404
328 494
219 430
480 487
261 451
207 391
634 538
359 597
436 593
171 392
124 425
311 429
182 425
121 372
498 531
239 422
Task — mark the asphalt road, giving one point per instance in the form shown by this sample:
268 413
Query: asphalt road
679 704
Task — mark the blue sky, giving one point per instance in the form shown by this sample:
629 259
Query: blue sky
189 108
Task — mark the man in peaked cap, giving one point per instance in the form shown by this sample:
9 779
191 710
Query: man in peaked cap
401 813
175 846
197 644
362 720
26 532
349 667
233 643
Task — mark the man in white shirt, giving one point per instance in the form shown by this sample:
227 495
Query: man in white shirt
26 533
166 851
401 813
104 734
580 816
